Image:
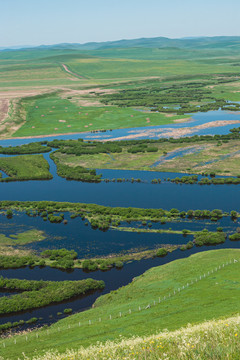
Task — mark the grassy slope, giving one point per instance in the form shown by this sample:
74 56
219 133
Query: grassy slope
209 340
132 68
213 297
26 167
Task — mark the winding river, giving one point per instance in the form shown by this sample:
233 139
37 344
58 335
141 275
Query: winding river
88 242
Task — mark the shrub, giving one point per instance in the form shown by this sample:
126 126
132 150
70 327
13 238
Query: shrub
162 252
67 311
206 237
234 237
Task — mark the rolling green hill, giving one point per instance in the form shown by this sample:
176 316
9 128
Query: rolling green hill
135 310
209 340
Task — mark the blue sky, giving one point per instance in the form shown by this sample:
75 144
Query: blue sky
35 22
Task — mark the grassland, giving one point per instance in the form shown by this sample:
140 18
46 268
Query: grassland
77 75
23 238
203 157
216 339
211 297
99 68
221 158
56 115
25 167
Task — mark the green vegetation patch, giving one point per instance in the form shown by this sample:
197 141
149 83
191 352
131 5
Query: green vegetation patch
214 155
55 115
35 294
206 237
215 339
23 238
214 296
25 167
32 148
179 98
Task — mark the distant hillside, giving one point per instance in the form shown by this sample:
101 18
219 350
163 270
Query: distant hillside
157 42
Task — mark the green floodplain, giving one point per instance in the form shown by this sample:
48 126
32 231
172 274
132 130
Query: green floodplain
218 155
69 89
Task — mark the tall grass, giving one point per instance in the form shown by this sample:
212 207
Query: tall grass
209 340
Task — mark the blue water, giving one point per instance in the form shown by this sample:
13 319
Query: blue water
89 242
196 119
165 195
113 279
4 175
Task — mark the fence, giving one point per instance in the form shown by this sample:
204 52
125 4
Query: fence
32 336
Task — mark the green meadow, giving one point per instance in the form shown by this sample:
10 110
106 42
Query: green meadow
68 71
22 238
56 115
134 310
25 167
133 68
222 158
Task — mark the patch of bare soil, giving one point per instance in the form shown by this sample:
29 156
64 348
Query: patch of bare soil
4 105
86 97
14 93
72 73
181 120
172 132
